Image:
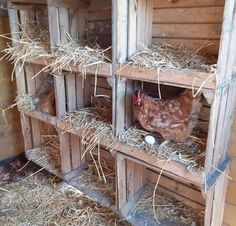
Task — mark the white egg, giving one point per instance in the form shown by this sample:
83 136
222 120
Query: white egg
150 140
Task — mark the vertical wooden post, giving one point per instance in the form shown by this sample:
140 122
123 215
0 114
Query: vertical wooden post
121 182
20 78
221 116
131 26
31 87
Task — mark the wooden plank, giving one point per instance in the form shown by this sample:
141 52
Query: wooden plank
79 91
187 191
25 121
171 168
208 31
82 23
31 87
59 84
75 144
100 15
68 3
70 92
130 179
121 182
100 5
53 17
205 15
64 25
188 3
191 44
29 1
64 139
14 25
179 78
132 28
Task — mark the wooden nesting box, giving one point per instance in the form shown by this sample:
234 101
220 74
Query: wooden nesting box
130 23
160 21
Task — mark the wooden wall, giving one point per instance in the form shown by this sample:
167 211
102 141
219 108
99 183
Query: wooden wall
189 22
11 142
230 205
99 22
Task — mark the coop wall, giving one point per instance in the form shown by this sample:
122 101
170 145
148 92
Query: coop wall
11 140
189 23
99 22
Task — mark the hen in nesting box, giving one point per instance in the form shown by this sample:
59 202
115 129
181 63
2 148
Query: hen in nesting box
173 118
45 100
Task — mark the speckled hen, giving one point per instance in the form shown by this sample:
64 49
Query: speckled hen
173 118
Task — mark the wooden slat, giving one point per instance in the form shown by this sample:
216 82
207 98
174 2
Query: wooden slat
188 3
25 121
61 111
194 44
121 182
187 191
68 3
75 144
64 24
100 15
53 16
205 15
208 31
183 78
100 5
31 87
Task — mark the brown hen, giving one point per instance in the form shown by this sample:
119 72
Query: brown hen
173 118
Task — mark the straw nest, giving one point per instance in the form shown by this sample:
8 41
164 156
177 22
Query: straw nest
48 155
33 43
24 102
166 56
77 54
43 200
168 208
94 128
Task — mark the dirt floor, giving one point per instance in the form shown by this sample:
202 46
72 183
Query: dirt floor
32 196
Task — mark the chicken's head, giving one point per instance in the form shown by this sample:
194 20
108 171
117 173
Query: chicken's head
137 97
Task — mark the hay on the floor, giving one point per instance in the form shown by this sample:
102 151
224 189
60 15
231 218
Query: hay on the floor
47 155
41 200
167 208
167 56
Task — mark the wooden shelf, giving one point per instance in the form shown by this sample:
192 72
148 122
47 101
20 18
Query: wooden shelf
132 153
179 78
104 69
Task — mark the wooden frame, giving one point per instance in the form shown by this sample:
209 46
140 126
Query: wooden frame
132 24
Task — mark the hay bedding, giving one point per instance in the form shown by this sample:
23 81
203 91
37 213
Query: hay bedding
167 208
48 155
44 200
166 56
190 154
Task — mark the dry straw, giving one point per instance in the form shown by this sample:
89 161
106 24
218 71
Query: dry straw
47 155
33 43
24 102
94 128
166 56
167 208
43 200
77 54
